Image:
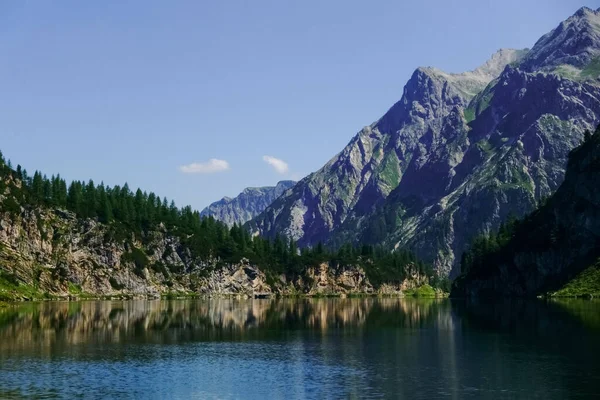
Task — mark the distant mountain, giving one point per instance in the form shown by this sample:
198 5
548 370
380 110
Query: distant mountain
548 248
247 205
457 154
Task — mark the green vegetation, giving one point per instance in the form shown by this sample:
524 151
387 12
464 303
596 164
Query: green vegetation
138 258
179 295
114 284
480 102
586 284
421 291
567 71
75 289
485 248
520 178
469 114
386 267
592 70
485 146
130 215
484 103
390 170
11 289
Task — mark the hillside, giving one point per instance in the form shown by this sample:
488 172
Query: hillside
88 240
553 249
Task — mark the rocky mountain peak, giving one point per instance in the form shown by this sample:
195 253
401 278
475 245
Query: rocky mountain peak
584 11
432 93
454 156
496 64
569 48
469 83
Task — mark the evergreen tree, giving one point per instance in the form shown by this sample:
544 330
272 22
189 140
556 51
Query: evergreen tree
139 214
38 186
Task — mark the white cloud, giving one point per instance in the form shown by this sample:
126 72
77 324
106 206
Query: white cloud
210 167
279 165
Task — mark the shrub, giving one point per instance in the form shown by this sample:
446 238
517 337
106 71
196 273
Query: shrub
114 284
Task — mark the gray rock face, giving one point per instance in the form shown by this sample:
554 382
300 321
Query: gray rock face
456 155
573 45
247 205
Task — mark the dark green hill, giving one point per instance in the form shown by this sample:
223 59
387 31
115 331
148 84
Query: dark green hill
550 247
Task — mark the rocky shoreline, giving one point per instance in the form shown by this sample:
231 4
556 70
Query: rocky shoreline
185 296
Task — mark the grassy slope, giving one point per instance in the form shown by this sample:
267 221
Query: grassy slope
11 290
586 284
421 291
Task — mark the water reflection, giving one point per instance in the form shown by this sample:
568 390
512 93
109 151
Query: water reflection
297 348
52 323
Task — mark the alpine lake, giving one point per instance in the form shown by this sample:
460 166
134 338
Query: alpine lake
294 348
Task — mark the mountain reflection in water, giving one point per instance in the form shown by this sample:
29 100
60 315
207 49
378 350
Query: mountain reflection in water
53 324
367 347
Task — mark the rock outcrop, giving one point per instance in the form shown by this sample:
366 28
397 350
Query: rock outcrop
52 253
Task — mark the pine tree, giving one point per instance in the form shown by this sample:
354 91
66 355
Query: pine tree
90 200
105 214
74 197
47 190
37 186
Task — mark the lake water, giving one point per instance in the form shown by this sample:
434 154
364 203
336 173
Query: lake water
301 348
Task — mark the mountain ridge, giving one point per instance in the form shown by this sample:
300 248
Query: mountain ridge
246 205
419 176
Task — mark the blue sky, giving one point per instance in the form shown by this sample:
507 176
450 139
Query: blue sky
196 100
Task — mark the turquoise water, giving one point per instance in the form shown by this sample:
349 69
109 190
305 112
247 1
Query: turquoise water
306 348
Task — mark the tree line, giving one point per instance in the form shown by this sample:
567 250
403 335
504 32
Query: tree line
140 212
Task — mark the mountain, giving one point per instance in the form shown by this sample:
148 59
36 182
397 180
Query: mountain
247 205
456 154
549 248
